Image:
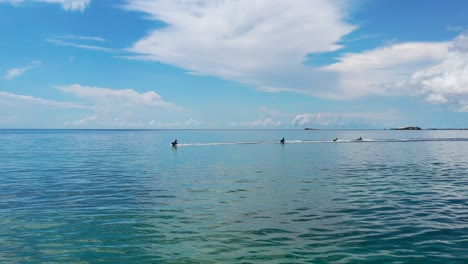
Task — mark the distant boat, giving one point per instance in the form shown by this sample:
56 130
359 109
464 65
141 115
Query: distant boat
310 128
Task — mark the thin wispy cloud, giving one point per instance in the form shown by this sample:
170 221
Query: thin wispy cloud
456 28
21 99
74 37
38 112
81 42
83 121
68 5
16 72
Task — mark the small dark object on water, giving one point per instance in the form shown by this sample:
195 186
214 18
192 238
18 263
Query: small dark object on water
282 141
174 144
407 128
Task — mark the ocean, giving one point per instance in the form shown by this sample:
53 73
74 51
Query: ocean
233 196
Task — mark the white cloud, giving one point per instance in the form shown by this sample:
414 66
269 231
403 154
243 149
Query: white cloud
119 108
378 71
15 72
74 5
339 119
123 97
68 5
84 121
446 82
26 111
267 117
272 112
95 107
190 123
261 122
272 118
303 119
261 43
265 43
17 98
81 42
75 37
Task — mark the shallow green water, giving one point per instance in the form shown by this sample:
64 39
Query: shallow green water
233 196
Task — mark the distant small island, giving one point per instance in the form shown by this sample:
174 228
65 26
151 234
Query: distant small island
407 128
310 128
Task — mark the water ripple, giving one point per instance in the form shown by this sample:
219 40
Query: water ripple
125 197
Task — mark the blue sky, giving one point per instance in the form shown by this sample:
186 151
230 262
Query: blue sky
233 64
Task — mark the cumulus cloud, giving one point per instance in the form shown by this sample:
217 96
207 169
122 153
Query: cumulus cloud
15 72
121 108
262 43
68 5
265 43
379 71
446 82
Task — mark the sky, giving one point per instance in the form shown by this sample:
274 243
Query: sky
233 64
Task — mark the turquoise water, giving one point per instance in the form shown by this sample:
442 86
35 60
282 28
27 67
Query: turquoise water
233 196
